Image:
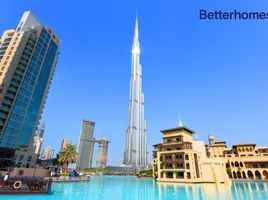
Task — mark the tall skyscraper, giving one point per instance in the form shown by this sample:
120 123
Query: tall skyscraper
64 143
102 153
47 153
28 56
86 145
135 154
38 140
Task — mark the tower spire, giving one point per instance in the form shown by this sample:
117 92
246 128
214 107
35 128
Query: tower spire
136 44
136 26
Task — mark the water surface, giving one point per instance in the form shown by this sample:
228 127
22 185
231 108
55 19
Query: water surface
132 188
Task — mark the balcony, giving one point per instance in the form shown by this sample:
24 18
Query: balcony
31 42
23 62
15 83
25 56
9 95
3 116
21 67
19 72
4 108
12 89
27 52
178 169
2 123
7 102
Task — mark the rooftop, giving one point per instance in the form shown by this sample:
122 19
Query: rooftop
178 129
244 144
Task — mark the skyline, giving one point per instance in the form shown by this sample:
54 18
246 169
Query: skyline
173 42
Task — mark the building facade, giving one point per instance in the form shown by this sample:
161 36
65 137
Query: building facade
28 56
86 145
38 140
29 158
102 153
243 161
64 143
47 153
181 159
135 154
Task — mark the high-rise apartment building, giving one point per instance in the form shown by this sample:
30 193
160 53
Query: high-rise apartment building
64 143
102 153
135 154
86 145
38 139
28 56
47 153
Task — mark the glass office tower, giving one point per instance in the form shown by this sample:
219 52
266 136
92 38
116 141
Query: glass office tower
28 56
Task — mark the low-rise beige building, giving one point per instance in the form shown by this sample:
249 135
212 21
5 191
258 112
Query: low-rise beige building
242 161
179 158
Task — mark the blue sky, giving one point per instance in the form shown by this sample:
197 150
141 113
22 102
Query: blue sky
212 73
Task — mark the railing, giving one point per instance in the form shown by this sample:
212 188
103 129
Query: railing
25 185
67 179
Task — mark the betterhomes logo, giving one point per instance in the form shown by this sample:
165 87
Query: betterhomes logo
233 15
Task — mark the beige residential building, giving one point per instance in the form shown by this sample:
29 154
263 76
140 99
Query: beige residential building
47 153
179 158
243 161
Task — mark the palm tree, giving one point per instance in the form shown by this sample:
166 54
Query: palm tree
68 155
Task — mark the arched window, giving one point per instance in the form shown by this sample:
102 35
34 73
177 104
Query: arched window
244 175
234 175
258 175
265 174
250 174
239 176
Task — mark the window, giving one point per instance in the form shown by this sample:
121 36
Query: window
186 157
188 175
170 175
180 175
29 158
187 166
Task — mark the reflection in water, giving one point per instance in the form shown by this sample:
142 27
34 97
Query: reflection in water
238 190
132 188
193 191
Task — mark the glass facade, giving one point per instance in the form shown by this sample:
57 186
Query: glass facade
23 117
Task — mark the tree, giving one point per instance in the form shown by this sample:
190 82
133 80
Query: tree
229 172
68 155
